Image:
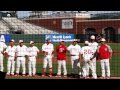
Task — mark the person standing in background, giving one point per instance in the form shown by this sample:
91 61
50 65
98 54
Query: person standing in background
11 56
61 50
75 54
48 50
3 46
105 54
21 53
33 51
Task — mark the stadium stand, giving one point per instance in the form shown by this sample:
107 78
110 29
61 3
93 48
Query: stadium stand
3 28
27 28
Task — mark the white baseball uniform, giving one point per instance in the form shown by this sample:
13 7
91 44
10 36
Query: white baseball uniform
86 51
11 59
48 58
21 52
32 54
2 47
94 46
74 52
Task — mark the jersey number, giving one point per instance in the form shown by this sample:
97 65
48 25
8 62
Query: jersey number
61 50
87 52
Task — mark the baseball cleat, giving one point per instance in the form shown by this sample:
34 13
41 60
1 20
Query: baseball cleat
50 75
102 77
108 77
43 75
12 74
94 77
58 76
16 74
87 77
8 74
65 76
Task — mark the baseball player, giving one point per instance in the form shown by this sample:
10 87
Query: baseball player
21 53
105 54
33 51
94 45
61 57
48 50
74 50
10 56
86 53
3 46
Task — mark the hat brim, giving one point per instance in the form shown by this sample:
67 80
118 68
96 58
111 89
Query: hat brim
12 41
20 42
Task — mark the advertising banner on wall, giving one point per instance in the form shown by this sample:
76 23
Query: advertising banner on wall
5 37
67 24
59 37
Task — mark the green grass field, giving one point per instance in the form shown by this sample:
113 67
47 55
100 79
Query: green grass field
114 64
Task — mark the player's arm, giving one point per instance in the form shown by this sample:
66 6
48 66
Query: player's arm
81 59
15 55
53 52
110 51
6 54
38 51
81 56
43 50
95 55
4 48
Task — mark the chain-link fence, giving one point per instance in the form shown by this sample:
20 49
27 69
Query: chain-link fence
38 26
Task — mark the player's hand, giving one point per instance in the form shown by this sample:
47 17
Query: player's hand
90 59
110 58
46 53
2 53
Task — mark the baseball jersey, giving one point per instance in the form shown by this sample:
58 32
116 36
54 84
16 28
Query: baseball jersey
104 51
21 51
86 51
61 52
11 51
32 51
48 48
74 50
94 46
2 47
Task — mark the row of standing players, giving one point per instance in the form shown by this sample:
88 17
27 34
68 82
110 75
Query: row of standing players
82 58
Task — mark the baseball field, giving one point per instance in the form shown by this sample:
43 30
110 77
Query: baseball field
114 64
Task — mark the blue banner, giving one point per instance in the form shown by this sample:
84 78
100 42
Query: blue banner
59 37
5 37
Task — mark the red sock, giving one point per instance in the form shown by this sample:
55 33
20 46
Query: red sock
50 71
44 71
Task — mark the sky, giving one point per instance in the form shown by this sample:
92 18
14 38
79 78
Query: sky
26 13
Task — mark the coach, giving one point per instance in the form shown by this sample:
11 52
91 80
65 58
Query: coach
104 53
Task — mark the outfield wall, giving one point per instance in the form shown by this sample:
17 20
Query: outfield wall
41 37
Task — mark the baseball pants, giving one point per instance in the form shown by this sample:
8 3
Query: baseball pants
105 66
32 65
46 61
20 61
10 65
94 66
62 63
91 66
75 65
1 63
